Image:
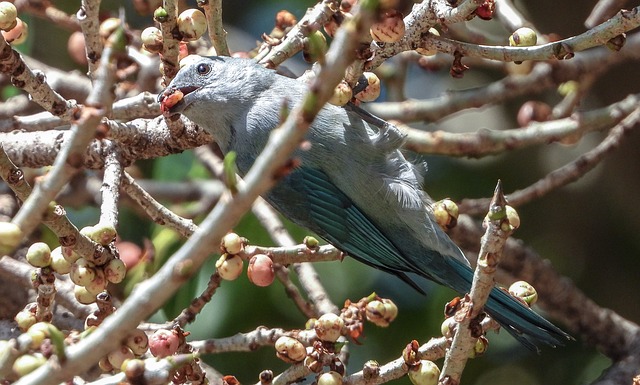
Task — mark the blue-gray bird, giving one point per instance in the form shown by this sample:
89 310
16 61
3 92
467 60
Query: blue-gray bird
354 187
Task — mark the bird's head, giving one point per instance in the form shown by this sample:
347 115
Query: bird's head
194 82
209 90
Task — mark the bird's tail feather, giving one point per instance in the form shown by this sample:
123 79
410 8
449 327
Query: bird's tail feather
518 319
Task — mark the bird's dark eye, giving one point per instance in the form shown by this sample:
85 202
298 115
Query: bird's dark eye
203 69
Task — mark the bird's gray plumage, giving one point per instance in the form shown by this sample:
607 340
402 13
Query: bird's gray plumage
354 187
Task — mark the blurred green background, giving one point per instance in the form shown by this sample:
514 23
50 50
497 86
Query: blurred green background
589 230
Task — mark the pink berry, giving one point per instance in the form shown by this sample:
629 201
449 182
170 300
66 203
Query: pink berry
163 343
260 270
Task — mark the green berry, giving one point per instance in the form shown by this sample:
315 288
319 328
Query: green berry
27 363
311 242
513 219
381 312
523 37
151 38
103 233
98 284
525 291
58 262
10 236
314 47
38 332
115 270
341 94
229 266
160 15
192 24
232 243
290 349
425 373
8 15
25 319
83 296
39 255
82 272
330 378
329 327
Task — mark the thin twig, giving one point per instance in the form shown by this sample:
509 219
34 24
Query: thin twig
542 77
70 159
246 342
623 22
217 34
156 211
565 174
483 282
602 11
170 45
292 43
24 77
55 217
111 188
485 142
88 17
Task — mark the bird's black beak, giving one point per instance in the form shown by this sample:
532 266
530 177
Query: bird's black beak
172 99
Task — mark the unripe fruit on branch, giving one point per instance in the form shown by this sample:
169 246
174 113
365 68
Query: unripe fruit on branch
290 350
341 94
329 327
229 266
192 24
523 37
8 15
330 378
119 356
10 236
138 342
314 47
39 255
108 26
525 291
381 312
446 213
232 243
82 272
59 263
27 363
425 373
151 38
83 296
372 91
115 270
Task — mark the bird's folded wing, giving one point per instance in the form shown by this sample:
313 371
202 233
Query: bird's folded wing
345 226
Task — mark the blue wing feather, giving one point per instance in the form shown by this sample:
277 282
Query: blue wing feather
345 226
